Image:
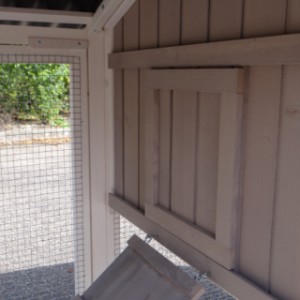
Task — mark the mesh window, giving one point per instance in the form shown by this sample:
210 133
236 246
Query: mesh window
41 188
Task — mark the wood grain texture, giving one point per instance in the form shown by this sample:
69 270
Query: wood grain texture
225 20
169 22
191 234
228 169
264 93
285 247
231 281
166 269
194 21
264 18
205 80
259 175
292 16
165 141
286 238
148 39
274 50
118 115
183 154
207 161
148 24
131 109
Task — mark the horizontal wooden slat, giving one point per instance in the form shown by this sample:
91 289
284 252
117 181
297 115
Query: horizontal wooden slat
191 234
204 80
164 267
276 50
229 280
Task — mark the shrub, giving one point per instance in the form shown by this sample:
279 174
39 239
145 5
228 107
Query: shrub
34 91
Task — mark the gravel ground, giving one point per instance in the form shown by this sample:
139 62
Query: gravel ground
36 214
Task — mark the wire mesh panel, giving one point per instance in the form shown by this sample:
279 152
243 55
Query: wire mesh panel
41 187
124 229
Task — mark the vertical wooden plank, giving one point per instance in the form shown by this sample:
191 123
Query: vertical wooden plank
225 19
148 39
131 108
118 114
168 35
165 133
286 241
264 18
169 22
194 21
259 174
151 145
183 154
285 268
207 161
228 169
148 23
262 121
292 16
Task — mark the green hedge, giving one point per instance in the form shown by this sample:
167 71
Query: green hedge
35 92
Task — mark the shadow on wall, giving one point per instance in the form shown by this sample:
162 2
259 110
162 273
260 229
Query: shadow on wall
46 283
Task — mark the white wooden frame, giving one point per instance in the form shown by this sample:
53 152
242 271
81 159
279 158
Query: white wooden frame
108 14
229 83
81 54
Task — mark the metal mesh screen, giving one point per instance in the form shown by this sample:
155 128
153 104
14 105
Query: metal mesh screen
41 195
124 229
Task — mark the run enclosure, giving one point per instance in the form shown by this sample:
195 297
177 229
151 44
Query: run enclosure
261 222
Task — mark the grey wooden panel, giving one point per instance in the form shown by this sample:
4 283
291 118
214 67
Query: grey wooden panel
131 109
230 280
142 273
207 161
183 154
264 18
262 124
148 38
225 20
194 21
118 115
286 242
165 136
169 22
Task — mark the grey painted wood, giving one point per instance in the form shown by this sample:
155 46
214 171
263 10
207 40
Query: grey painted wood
142 273
277 50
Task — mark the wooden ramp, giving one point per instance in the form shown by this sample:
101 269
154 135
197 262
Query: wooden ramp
142 273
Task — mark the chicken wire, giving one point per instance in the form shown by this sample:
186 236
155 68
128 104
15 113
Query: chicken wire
124 229
41 200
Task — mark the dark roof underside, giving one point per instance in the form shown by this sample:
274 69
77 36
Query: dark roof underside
71 5
62 5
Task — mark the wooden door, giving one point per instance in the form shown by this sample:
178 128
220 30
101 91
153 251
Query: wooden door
192 130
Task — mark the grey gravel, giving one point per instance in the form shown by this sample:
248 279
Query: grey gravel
46 283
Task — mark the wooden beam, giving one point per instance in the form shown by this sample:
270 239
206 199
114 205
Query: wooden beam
192 235
44 15
204 80
166 269
276 50
18 35
231 281
109 13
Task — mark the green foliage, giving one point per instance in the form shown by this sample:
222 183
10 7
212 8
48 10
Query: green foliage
35 91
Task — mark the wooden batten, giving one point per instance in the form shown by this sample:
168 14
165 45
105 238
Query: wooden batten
277 50
231 281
